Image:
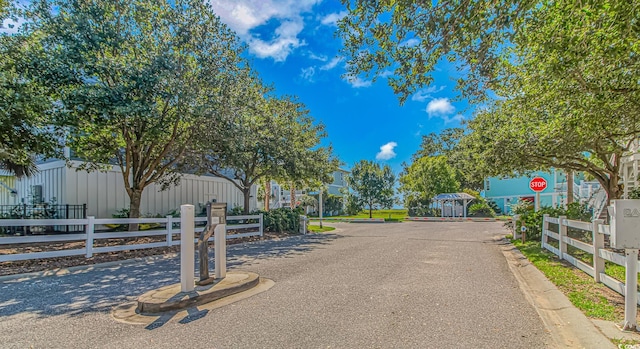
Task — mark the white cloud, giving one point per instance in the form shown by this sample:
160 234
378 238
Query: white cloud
321 58
385 74
333 18
9 26
386 151
440 107
356 82
308 73
425 93
410 42
456 118
243 16
332 63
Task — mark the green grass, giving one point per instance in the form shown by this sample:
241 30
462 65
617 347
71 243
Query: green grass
581 291
615 271
396 215
317 229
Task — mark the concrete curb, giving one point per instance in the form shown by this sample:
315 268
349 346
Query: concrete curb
170 298
451 219
568 326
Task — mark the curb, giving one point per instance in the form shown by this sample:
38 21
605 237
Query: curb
451 219
567 325
170 298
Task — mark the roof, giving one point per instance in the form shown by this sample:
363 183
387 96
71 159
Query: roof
453 196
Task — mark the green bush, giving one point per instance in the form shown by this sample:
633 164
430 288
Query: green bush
481 209
532 220
281 220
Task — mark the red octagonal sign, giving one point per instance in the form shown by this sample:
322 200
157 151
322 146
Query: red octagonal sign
538 184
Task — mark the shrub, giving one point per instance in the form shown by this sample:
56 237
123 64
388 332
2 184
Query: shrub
481 209
532 220
281 220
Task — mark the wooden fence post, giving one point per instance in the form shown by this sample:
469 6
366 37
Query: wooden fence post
169 231
562 230
631 290
545 227
261 224
598 243
89 242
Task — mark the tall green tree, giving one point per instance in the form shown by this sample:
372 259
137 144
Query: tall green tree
425 178
458 156
136 78
571 97
563 73
25 108
371 186
262 137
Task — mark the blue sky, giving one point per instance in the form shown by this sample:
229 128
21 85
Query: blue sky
292 45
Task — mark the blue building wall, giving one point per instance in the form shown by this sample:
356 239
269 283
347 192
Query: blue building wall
506 191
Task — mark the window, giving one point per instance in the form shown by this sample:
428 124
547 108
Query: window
487 185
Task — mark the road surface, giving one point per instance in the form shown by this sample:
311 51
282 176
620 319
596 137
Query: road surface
403 285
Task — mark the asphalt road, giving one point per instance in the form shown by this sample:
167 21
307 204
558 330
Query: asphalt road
404 285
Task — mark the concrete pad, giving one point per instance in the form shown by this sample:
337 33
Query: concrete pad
613 330
173 305
170 297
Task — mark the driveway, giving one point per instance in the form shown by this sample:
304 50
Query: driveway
404 285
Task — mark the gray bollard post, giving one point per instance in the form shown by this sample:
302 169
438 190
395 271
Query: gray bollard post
221 251
187 250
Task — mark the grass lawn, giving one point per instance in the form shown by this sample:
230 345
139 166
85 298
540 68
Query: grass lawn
594 299
395 215
317 229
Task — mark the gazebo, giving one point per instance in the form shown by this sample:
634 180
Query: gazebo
448 203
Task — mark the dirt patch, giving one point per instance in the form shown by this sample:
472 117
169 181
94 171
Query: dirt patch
34 265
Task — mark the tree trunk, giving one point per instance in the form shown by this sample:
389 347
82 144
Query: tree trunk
614 188
292 196
370 210
246 192
135 196
267 195
569 187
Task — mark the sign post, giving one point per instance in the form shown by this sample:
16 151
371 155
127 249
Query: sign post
538 184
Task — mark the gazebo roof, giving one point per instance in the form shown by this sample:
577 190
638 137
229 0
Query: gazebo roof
453 196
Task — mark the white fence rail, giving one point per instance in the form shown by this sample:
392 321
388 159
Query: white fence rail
598 252
170 231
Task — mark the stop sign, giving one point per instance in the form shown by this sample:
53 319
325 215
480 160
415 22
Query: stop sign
538 184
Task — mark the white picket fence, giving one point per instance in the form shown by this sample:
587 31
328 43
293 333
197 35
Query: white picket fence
170 232
596 249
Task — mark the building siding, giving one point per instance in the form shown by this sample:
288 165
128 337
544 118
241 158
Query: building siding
104 192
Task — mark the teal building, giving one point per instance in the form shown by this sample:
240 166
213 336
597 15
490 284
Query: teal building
506 191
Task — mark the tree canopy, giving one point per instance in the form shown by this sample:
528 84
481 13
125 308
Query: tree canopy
371 186
263 137
25 109
425 178
134 77
557 81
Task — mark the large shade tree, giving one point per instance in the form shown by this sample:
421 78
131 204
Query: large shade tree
425 178
571 96
371 186
564 73
25 109
135 79
259 137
